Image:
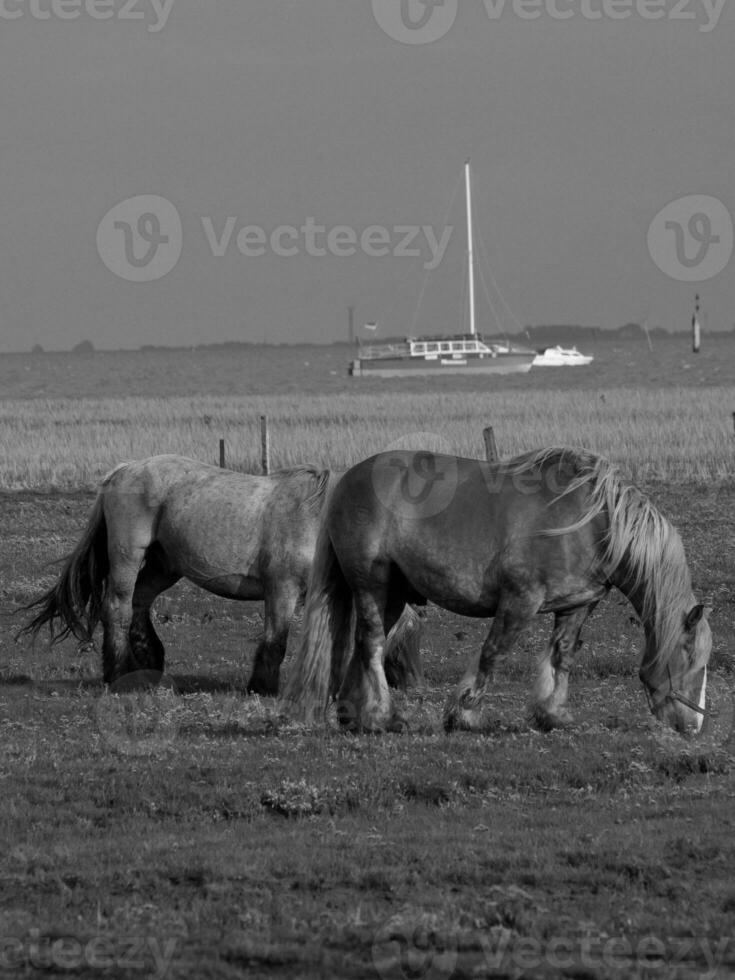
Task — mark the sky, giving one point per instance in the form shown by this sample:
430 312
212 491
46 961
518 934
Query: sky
174 172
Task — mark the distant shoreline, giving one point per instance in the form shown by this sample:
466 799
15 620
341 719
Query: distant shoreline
536 336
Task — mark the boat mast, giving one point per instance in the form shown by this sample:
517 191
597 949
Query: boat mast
470 261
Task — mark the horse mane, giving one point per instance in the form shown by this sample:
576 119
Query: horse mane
640 541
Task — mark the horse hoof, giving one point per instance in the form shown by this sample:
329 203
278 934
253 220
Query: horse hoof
547 721
461 720
369 726
263 688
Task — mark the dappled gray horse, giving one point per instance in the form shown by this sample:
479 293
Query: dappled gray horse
237 535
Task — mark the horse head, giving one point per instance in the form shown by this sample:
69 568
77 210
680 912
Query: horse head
676 684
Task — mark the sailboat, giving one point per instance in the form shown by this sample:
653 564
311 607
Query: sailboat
462 353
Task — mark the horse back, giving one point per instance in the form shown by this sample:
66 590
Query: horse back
213 526
463 527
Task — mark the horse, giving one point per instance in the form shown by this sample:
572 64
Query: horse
241 536
551 531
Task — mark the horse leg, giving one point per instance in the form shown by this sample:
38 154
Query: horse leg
514 613
146 648
280 609
548 709
364 702
403 667
117 613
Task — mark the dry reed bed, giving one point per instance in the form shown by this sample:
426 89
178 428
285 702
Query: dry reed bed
676 434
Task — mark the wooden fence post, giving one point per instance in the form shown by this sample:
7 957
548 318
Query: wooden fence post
491 450
265 445
222 453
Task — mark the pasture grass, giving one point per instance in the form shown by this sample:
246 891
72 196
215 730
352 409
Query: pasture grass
673 434
214 843
189 832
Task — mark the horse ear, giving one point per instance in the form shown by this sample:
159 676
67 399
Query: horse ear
695 614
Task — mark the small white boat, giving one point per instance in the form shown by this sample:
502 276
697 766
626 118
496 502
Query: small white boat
561 357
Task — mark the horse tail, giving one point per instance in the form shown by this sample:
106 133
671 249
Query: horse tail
403 667
316 497
327 636
73 604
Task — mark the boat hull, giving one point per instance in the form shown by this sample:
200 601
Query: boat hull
406 367
562 357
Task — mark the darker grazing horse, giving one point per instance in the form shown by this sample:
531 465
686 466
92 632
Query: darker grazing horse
548 532
240 536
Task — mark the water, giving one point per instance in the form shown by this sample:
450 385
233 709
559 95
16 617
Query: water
260 370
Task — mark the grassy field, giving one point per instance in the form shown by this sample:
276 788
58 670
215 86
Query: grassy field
679 434
189 832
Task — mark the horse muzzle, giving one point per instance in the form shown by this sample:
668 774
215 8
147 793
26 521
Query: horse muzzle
676 708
